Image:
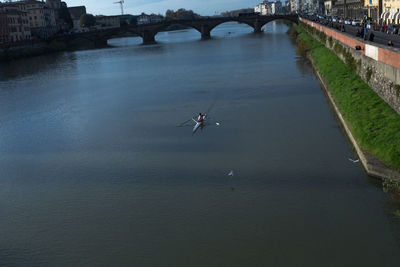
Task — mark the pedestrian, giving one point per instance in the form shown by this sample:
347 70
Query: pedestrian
365 33
385 28
358 34
371 36
362 34
390 43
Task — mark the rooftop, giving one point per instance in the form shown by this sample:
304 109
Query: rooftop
31 2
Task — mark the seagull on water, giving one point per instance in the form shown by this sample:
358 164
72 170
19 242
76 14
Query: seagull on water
354 160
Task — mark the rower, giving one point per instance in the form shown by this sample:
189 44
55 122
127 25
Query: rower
200 118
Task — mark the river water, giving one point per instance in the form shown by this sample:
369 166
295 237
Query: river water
95 171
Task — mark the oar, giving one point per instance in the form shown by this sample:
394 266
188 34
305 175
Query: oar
183 123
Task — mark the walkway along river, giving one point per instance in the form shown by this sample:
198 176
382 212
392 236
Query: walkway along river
94 170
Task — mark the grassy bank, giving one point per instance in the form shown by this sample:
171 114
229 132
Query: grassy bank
374 124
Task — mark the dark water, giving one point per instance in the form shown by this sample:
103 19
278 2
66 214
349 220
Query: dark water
94 171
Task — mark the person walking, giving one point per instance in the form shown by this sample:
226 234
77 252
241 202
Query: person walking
365 33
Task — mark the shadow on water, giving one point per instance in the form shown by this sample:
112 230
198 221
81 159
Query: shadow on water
392 210
31 66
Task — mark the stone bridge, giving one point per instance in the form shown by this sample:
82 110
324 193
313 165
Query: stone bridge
203 25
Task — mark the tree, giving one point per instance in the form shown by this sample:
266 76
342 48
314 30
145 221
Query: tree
170 14
235 13
87 20
181 14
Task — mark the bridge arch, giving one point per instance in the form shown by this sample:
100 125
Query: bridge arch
260 22
166 33
231 21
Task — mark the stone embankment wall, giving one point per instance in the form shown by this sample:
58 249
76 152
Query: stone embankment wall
379 66
27 50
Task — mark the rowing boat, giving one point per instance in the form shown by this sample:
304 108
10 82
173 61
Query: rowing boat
199 124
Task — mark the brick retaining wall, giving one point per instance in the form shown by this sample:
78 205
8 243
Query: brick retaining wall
384 55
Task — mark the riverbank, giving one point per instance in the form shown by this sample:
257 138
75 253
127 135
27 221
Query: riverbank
32 50
372 126
12 53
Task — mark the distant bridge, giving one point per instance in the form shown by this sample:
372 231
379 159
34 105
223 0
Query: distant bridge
203 25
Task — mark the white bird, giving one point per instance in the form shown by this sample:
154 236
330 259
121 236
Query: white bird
230 173
353 160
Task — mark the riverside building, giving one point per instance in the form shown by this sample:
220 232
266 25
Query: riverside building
14 26
353 9
268 8
42 19
391 12
108 22
76 12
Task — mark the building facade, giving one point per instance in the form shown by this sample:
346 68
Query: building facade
108 22
147 19
390 12
294 6
328 7
53 4
76 12
372 7
268 8
42 20
353 9
14 26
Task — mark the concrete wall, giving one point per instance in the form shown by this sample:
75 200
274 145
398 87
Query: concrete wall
383 62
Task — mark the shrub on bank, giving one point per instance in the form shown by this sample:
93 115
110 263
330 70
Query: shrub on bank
374 124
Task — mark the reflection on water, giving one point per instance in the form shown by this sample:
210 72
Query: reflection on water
303 66
94 170
31 66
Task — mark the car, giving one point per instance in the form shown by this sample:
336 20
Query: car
335 19
356 22
347 21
